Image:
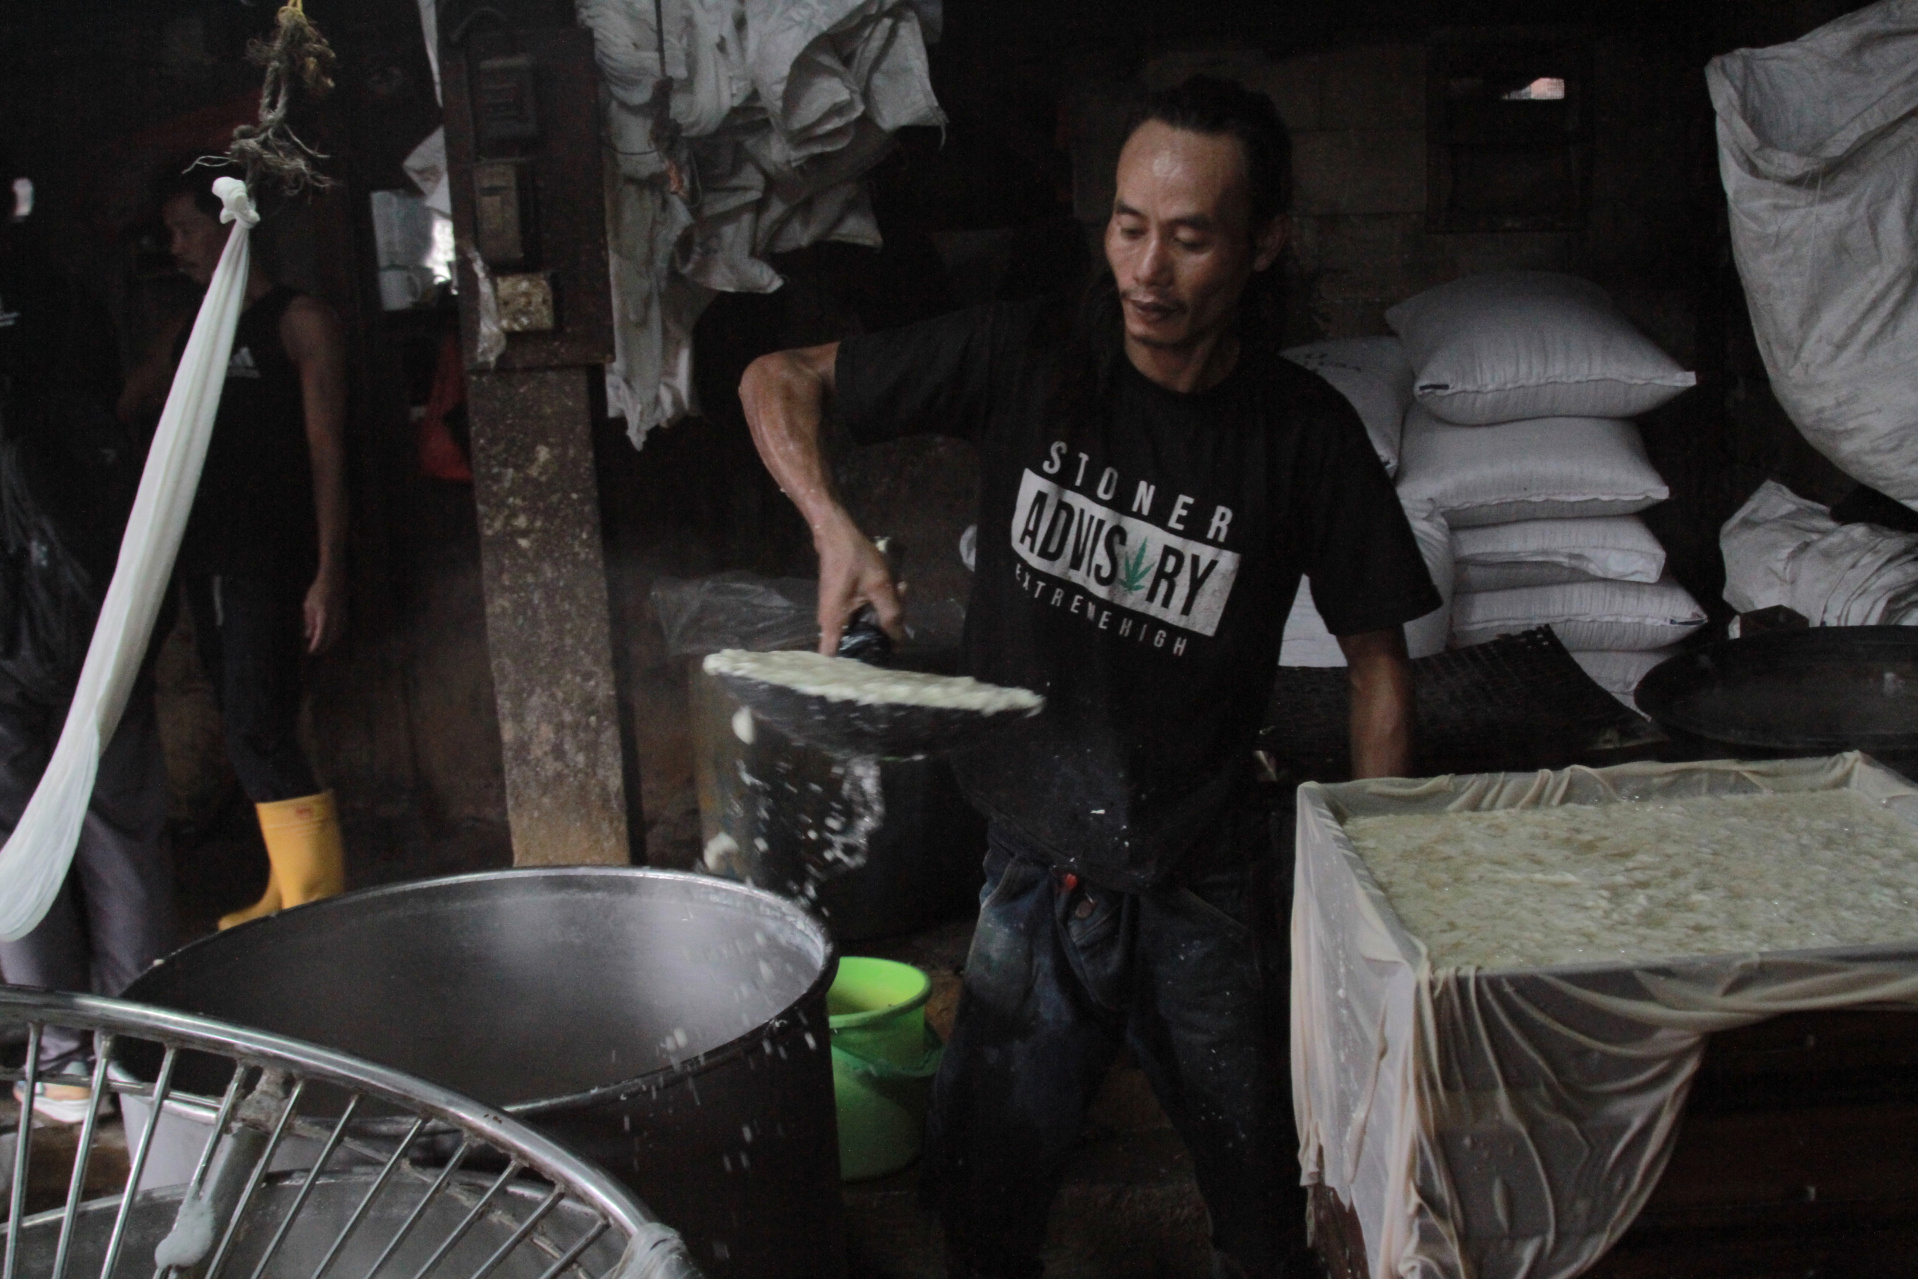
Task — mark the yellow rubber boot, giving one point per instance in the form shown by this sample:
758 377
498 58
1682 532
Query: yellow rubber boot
267 904
303 843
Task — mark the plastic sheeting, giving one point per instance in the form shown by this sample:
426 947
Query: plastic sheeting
1513 1123
1818 150
781 105
34 862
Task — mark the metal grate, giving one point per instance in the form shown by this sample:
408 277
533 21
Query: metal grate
1519 702
252 1156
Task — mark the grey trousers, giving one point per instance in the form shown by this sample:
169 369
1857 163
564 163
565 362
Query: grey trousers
115 914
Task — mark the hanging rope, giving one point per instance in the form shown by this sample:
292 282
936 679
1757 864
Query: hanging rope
297 55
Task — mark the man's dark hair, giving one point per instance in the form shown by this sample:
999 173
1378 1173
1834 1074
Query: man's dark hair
1219 108
185 177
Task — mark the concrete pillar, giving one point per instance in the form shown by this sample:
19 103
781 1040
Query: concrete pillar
548 632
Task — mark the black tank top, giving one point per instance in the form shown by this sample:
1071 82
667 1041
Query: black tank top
254 513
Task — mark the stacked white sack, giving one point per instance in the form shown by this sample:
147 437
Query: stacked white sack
1620 673
1619 549
781 105
1511 345
1376 378
1545 469
1781 549
1497 557
1524 383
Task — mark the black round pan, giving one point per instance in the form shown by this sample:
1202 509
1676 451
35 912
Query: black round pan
1812 692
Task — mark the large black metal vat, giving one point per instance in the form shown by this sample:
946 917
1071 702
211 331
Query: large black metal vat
670 1027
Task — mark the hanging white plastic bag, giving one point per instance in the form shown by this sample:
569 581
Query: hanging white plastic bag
1818 149
34 861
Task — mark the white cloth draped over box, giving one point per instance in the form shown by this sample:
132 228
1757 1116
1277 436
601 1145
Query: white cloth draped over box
1506 1124
34 862
782 105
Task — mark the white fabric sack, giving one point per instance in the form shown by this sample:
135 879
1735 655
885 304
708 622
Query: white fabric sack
1782 549
1308 643
1497 557
1374 375
1584 615
1818 150
34 862
1549 468
1618 673
783 106
1510 1125
1510 345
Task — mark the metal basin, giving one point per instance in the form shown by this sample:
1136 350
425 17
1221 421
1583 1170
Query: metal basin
670 1027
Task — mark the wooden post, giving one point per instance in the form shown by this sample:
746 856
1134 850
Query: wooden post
548 630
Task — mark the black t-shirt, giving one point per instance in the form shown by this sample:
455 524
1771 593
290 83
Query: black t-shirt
253 513
1135 565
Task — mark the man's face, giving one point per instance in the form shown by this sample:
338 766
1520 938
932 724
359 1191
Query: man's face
195 240
1180 241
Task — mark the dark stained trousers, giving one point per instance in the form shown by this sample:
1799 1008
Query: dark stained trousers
249 631
1190 979
114 915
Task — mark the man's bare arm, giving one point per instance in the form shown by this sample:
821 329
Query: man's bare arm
1382 704
311 334
784 395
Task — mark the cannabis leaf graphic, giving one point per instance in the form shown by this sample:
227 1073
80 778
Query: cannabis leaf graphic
1133 574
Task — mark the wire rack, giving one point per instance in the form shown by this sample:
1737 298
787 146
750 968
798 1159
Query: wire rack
245 1155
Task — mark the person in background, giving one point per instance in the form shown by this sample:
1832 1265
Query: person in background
263 563
1154 481
68 473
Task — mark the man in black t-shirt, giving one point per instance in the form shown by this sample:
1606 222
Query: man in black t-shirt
1154 483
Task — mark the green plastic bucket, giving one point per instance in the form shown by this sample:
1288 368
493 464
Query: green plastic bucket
883 1059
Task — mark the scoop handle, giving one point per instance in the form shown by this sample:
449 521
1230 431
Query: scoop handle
863 640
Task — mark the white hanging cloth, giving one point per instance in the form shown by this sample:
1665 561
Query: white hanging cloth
781 106
34 861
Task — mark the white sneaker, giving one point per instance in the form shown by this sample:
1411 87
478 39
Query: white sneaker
57 1103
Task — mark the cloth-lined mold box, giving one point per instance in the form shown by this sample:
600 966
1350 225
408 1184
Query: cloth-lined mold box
1503 986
